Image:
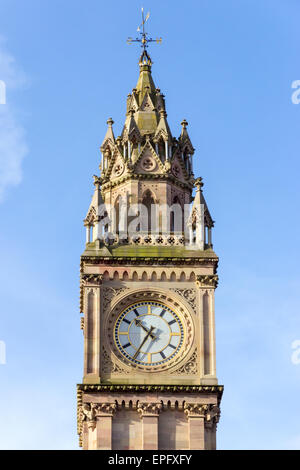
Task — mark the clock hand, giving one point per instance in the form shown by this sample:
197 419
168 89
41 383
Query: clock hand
143 342
139 323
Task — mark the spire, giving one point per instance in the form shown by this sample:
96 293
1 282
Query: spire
184 133
109 136
145 82
163 128
184 138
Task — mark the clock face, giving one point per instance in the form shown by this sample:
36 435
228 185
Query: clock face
148 333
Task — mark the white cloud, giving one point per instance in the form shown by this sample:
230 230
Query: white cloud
13 146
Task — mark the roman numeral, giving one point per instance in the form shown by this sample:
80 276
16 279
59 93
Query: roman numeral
171 322
162 355
126 321
171 345
136 312
162 313
126 345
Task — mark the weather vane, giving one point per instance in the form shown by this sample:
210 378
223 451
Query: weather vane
144 40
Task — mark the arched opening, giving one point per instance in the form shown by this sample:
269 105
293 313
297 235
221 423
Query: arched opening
176 216
147 202
162 149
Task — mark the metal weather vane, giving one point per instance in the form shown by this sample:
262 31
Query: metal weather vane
144 39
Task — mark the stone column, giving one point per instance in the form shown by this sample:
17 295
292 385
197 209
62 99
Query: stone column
149 413
166 150
104 414
129 151
87 233
209 241
196 416
97 235
87 416
211 421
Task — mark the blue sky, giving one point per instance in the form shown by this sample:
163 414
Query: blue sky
226 67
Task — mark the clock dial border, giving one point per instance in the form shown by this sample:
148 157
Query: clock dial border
130 308
125 299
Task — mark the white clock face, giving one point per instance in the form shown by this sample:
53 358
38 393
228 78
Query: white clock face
148 333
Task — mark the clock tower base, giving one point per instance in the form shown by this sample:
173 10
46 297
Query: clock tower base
143 417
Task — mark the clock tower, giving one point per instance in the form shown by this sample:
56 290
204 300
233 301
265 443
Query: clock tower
147 282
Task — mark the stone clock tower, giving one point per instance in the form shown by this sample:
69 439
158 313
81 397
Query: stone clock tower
147 282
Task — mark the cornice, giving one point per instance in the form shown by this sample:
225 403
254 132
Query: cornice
142 260
104 388
141 176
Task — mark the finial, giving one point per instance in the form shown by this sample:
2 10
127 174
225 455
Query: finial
184 124
144 40
109 122
198 183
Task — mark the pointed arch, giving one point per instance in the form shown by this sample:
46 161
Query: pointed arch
176 215
148 201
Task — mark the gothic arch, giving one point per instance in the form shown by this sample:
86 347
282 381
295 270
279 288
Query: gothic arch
148 200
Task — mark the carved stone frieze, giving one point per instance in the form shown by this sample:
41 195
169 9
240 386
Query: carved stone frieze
149 409
207 280
95 279
195 409
105 409
209 412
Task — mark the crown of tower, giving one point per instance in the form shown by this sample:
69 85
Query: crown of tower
146 130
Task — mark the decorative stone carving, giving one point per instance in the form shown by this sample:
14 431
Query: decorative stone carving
189 368
207 281
148 164
109 367
213 414
195 409
149 409
189 295
92 279
105 409
118 169
109 293
88 414
210 412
